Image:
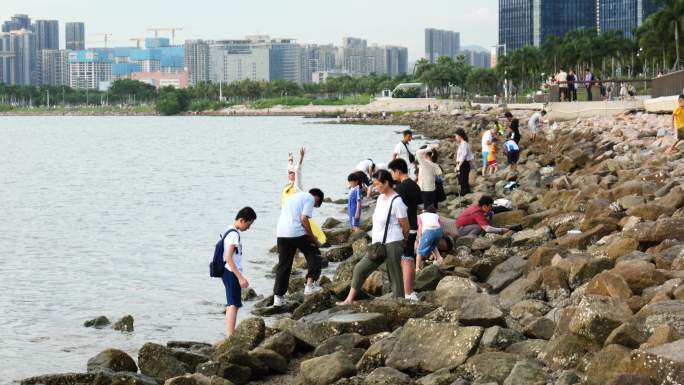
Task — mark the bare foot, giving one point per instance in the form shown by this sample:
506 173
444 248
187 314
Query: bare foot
344 303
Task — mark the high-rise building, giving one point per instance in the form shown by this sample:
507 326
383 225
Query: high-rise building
441 43
516 18
75 36
54 67
556 18
236 60
19 58
285 60
47 34
16 23
197 60
6 58
355 57
87 69
397 60
477 59
623 15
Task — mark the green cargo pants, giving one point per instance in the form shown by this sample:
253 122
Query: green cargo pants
365 267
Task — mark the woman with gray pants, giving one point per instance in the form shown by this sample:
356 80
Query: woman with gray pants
397 230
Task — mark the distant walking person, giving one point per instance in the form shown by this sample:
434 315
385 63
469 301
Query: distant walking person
588 83
428 171
678 123
390 227
534 123
403 151
464 155
410 194
295 233
233 280
572 85
562 80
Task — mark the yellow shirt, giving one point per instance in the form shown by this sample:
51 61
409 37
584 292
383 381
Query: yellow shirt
678 114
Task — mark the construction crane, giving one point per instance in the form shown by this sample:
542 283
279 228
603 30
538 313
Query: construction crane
172 30
106 37
137 41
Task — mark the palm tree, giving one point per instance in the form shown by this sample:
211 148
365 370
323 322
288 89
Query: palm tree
671 14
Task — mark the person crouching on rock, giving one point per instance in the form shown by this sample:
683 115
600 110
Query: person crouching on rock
233 280
295 233
430 234
473 220
391 228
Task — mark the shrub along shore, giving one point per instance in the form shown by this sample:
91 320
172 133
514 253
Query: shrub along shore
590 291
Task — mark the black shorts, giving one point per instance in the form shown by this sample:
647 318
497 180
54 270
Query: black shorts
513 157
409 247
233 289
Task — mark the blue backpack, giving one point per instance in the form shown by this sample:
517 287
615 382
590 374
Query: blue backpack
218 265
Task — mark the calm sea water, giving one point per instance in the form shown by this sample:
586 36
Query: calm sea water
119 215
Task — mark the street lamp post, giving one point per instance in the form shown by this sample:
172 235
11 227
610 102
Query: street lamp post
497 46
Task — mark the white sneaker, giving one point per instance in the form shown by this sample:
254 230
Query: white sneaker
412 297
278 300
312 289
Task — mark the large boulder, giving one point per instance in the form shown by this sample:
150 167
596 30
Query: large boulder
526 372
667 312
610 285
377 354
125 324
68 379
531 237
339 253
159 362
130 378
314 303
396 311
282 343
247 335
565 351
97 322
639 275
479 310
236 374
658 231
597 316
327 369
663 364
428 346
498 338
114 360
345 342
275 362
428 278
451 290
491 367
337 236
507 272
605 364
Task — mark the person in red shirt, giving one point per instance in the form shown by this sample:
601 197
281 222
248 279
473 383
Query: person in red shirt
473 220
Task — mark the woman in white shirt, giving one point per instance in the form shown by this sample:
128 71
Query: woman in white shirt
464 155
428 171
397 229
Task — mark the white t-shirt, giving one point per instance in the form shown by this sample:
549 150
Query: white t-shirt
399 210
534 121
401 152
429 221
486 137
233 238
290 221
363 166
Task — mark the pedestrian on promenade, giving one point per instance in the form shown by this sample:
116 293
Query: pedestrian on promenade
430 234
464 156
572 85
410 194
514 127
354 201
294 177
678 123
391 228
233 279
487 138
562 79
474 220
428 171
294 233
534 123
588 83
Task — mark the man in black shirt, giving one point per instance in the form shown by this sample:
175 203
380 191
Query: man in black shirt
514 125
410 193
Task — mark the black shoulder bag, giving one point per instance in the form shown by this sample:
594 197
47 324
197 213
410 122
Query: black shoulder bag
377 251
412 158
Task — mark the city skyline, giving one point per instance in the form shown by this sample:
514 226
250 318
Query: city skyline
383 22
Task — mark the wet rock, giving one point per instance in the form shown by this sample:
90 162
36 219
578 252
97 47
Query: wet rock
428 346
190 359
610 285
498 338
247 335
306 338
66 379
241 357
396 311
330 223
387 376
343 342
377 354
339 253
491 367
663 364
282 343
125 324
314 303
97 323
237 374
639 275
326 369
112 359
526 372
275 362
129 378
159 362
605 364
197 379
428 278
337 236
375 283
248 294
597 316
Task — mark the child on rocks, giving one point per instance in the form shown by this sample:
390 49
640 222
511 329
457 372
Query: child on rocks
354 203
512 152
429 234
233 280
678 123
492 166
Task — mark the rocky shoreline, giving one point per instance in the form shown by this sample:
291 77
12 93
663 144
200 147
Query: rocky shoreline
591 291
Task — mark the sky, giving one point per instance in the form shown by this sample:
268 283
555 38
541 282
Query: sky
390 22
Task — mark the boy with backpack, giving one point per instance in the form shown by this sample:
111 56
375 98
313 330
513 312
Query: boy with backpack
228 258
